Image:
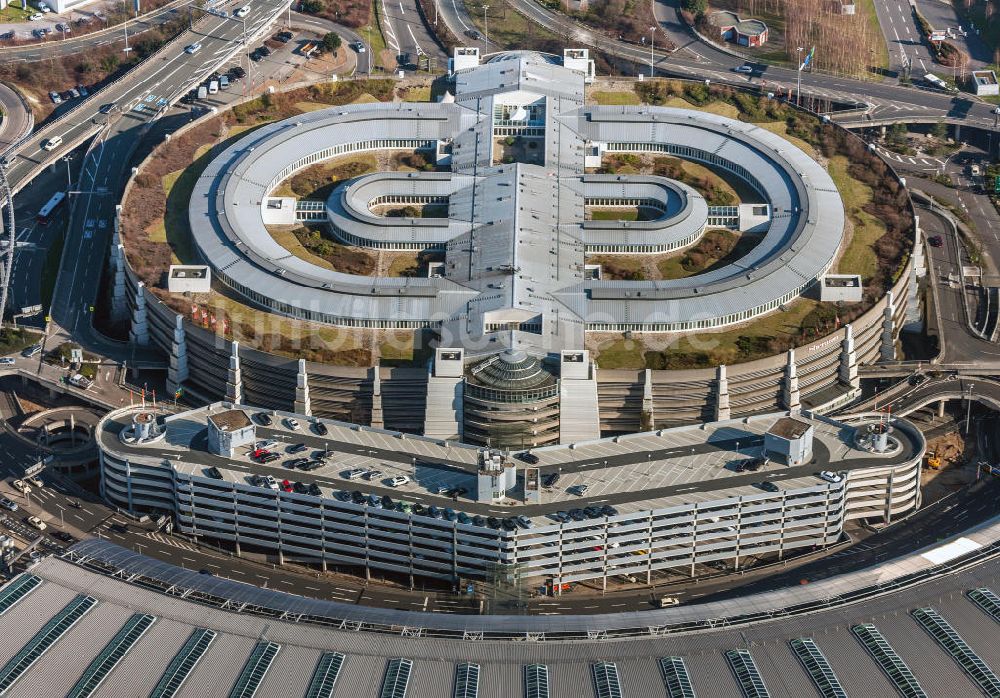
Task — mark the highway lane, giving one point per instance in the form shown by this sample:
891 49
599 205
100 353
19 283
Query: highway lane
145 89
139 100
884 99
406 34
54 48
903 38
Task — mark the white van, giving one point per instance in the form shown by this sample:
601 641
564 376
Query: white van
213 87
242 12
52 143
202 92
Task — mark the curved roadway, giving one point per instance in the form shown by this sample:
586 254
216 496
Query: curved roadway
17 117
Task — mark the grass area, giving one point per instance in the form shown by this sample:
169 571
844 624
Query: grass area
286 237
718 107
14 14
717 248
781 128
859 256
615 97
50 271
621 214
12 340
416 93
622 353
509 29
619 267
724 347
372 33
317 181
867 8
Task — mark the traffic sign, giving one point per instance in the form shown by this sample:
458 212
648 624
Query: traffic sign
996 183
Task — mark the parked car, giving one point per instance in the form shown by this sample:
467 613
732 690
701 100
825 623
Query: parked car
36 523
265 445
356 473
314 489
297 448
84 92
292 423
263 419
270 482
373 474
54 96
299 488
527 457
399 481
578 490
831 476
524 522
7 361
8 504
551 479
213 473
36 16
768 486
21 486
34 481
321 429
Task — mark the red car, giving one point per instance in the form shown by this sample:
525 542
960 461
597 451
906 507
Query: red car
286 486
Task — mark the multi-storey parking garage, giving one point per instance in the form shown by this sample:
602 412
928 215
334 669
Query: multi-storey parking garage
631 507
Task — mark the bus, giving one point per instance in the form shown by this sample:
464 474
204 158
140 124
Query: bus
49 209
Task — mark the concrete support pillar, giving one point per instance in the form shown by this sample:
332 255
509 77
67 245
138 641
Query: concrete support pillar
722 410
848 372
958 132
139 332
376 420
888 347
790 391
940 410
177 371
72 429
647 418
234 378
302 402
119 306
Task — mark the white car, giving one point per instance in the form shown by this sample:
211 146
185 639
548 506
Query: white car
399 481
6 360
743 69
35 481
36 522
192 48
292 423
359 46
21 486
831 476
270 482
266 445
36 17
242 12
44 8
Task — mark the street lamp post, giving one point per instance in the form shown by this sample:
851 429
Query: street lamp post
798 78
652 38
968 409
127 49
69 176
486 26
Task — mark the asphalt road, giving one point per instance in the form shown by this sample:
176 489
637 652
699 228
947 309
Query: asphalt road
70 45
903 38
942 15
17 118
406 34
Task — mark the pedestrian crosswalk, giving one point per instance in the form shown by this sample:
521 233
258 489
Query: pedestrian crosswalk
171 541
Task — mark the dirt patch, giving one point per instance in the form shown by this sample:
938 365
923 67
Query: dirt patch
955 458
349 260
716 190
